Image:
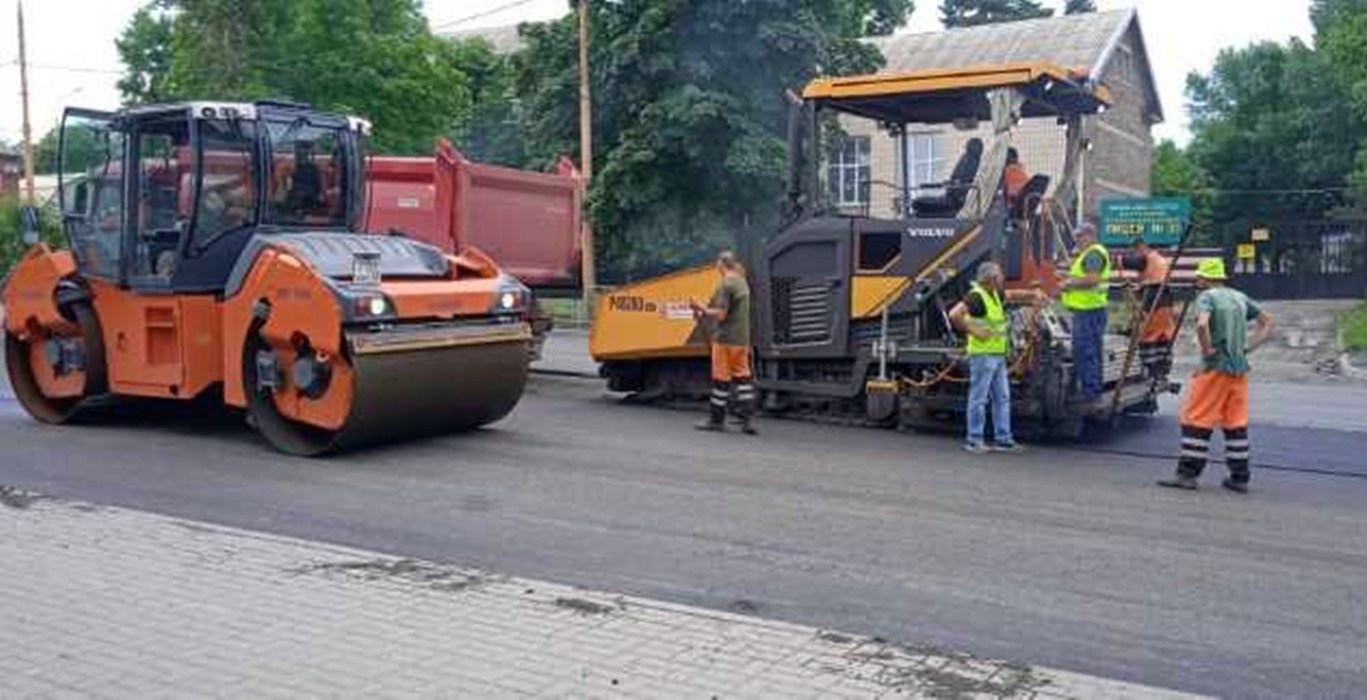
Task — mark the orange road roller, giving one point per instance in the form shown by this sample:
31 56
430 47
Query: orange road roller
218 247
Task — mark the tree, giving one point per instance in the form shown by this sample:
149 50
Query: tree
145 49
374 58
1176 174
1078 7
689 115
82 151
1269 119
1325 13
491 131
973 13
1341 33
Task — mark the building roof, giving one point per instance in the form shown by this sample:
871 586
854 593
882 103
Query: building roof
1084 43
504 40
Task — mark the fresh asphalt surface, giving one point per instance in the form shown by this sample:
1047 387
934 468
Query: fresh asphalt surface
1061 557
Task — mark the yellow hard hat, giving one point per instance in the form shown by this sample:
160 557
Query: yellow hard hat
1211 269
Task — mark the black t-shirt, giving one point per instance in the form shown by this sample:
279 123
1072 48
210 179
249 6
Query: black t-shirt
976 307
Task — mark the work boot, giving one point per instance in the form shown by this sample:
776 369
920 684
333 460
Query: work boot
1235 486
716 419
1179 481
747 428
711 426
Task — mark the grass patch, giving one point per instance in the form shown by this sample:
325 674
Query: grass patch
1354 327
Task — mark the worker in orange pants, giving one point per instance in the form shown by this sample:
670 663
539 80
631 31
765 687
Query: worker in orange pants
729 312
1160 329
1218 395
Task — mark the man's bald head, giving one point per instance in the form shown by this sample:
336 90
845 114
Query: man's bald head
727 261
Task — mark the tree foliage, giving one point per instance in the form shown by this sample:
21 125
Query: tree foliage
12 245
1268 119
973 13
374 58
145 49
1341 33
689 112
491 131
1176 174
1078 7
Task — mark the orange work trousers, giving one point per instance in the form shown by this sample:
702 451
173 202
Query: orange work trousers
1217 400
1162 326
730 363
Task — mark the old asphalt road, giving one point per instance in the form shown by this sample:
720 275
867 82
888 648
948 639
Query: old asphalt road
1056 557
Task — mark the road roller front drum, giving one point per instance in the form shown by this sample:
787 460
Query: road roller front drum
53 374
473 377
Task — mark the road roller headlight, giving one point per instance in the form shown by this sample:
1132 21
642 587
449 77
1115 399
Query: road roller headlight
373 306
511 298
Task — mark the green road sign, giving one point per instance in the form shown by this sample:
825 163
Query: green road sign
1157 221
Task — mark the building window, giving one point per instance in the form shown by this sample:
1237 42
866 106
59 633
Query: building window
927 164
849 172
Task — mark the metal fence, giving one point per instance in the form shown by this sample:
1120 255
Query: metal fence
1319 259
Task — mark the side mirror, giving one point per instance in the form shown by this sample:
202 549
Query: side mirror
28 224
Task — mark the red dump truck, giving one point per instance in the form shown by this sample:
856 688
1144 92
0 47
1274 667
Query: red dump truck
528 222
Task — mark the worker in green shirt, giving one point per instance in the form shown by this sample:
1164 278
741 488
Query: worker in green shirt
1218 394
729 312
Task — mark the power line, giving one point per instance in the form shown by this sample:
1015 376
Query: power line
481 15
66 69
74 69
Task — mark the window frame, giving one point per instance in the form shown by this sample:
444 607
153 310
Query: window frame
934 163
844 163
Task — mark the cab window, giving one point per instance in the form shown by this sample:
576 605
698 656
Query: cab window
227 192
165 196
877 250
92 202
308 175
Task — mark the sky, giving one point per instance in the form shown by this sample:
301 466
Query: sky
73 60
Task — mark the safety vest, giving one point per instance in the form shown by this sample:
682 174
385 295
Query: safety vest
995 319
1097 297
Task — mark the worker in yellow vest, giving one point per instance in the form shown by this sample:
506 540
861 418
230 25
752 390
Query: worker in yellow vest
981 316
1087 294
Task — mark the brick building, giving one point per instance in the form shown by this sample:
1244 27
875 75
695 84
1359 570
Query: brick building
1105 46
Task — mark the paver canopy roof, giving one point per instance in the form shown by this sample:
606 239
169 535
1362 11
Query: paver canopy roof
1082 43
943 95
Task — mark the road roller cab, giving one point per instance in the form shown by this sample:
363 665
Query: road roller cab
217 246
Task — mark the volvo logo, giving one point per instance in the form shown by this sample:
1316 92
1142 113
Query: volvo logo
931 232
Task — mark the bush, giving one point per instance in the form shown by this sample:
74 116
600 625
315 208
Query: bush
12 244
1354 325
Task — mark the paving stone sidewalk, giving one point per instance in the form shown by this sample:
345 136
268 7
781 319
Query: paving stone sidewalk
105 602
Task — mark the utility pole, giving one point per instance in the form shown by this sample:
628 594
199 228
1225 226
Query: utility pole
23 96
589 271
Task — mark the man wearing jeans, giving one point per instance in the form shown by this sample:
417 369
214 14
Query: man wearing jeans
982 317
1087 294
